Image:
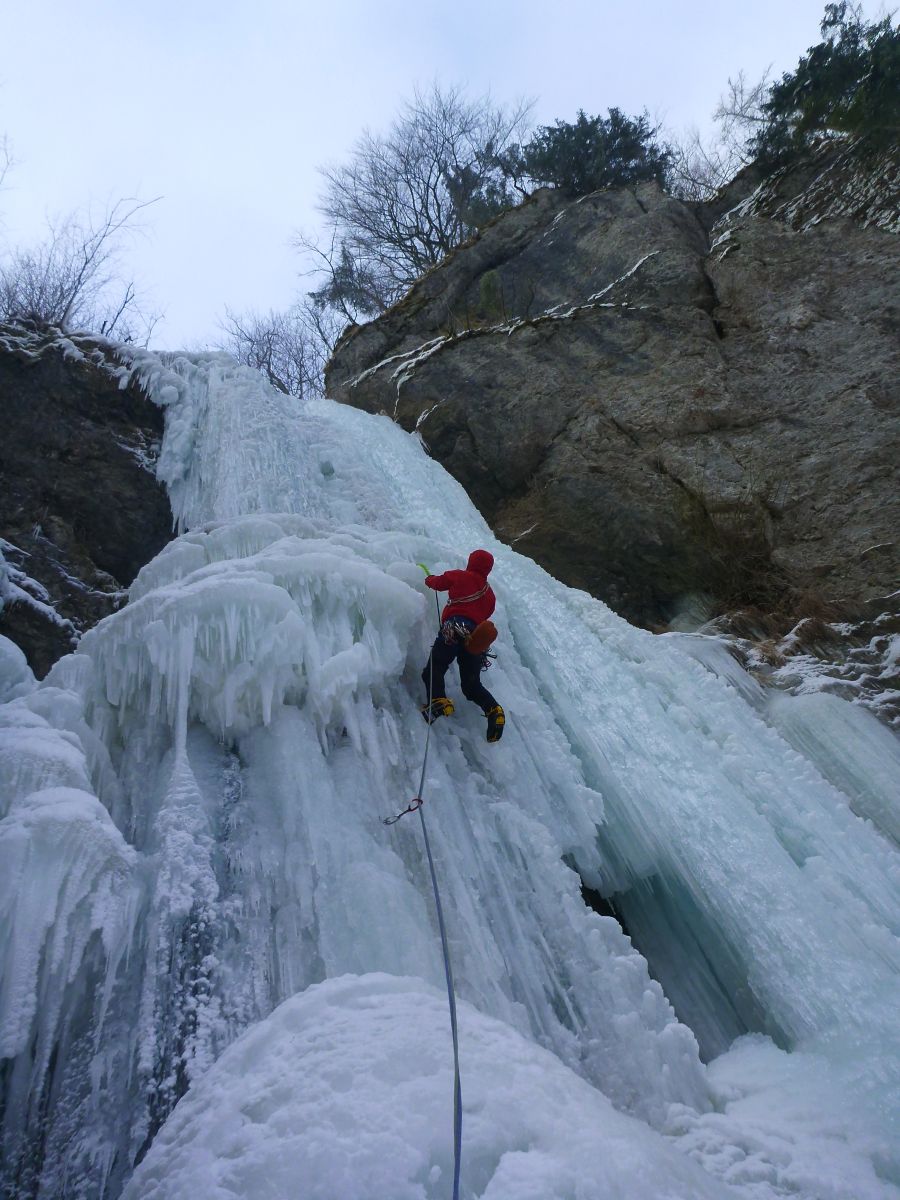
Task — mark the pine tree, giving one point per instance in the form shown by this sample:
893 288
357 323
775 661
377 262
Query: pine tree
591 153
848 84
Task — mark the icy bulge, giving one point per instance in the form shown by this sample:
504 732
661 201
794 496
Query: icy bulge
672 915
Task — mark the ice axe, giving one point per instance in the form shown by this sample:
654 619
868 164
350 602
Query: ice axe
437 602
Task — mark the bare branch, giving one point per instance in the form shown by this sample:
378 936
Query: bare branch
290 348
740 108
7 162
407 197
127 300
699 168
66 280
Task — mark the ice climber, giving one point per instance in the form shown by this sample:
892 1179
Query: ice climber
471 601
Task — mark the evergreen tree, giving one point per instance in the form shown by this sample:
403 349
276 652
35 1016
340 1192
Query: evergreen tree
591 153
848 84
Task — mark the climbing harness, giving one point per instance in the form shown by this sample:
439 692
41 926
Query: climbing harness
457 629
416 805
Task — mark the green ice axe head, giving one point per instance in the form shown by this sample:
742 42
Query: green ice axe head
437 602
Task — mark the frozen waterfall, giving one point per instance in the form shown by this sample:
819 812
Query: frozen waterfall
192 836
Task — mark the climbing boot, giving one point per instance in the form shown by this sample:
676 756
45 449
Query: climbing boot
439 707
496 720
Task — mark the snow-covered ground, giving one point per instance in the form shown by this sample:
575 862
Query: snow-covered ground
193 850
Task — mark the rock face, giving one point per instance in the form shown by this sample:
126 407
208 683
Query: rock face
857 658
80 508
671 408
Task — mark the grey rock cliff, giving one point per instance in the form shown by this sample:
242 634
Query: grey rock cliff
81 510
668 412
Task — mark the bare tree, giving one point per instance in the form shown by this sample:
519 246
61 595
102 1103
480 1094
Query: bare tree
740 114
291 348
700 167
697 168
347 286
408 197
6 158
72 279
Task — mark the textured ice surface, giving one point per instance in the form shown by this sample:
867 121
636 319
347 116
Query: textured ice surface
251 715
342 1092
859 756
16 678
783 1125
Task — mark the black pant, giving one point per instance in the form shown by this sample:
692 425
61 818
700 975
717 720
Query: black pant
442 655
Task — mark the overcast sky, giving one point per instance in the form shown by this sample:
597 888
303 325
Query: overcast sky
225 108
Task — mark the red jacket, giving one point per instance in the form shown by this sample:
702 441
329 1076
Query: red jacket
470 592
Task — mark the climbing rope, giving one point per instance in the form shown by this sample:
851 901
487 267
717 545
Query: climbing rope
416 805
451 997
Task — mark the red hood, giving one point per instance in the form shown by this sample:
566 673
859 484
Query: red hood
480 562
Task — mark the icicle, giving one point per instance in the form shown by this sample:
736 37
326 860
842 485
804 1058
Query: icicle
251 715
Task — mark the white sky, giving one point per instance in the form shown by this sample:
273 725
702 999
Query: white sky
226 108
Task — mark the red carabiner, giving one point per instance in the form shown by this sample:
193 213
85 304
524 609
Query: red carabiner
415 804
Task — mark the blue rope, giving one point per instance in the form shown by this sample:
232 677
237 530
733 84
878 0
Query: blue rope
445 949
448 971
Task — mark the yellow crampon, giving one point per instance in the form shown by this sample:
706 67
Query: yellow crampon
496 720
440 706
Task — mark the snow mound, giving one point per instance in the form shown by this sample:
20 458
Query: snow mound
345 1092
783 1127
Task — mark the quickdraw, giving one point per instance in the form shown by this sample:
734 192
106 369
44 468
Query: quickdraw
414 806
